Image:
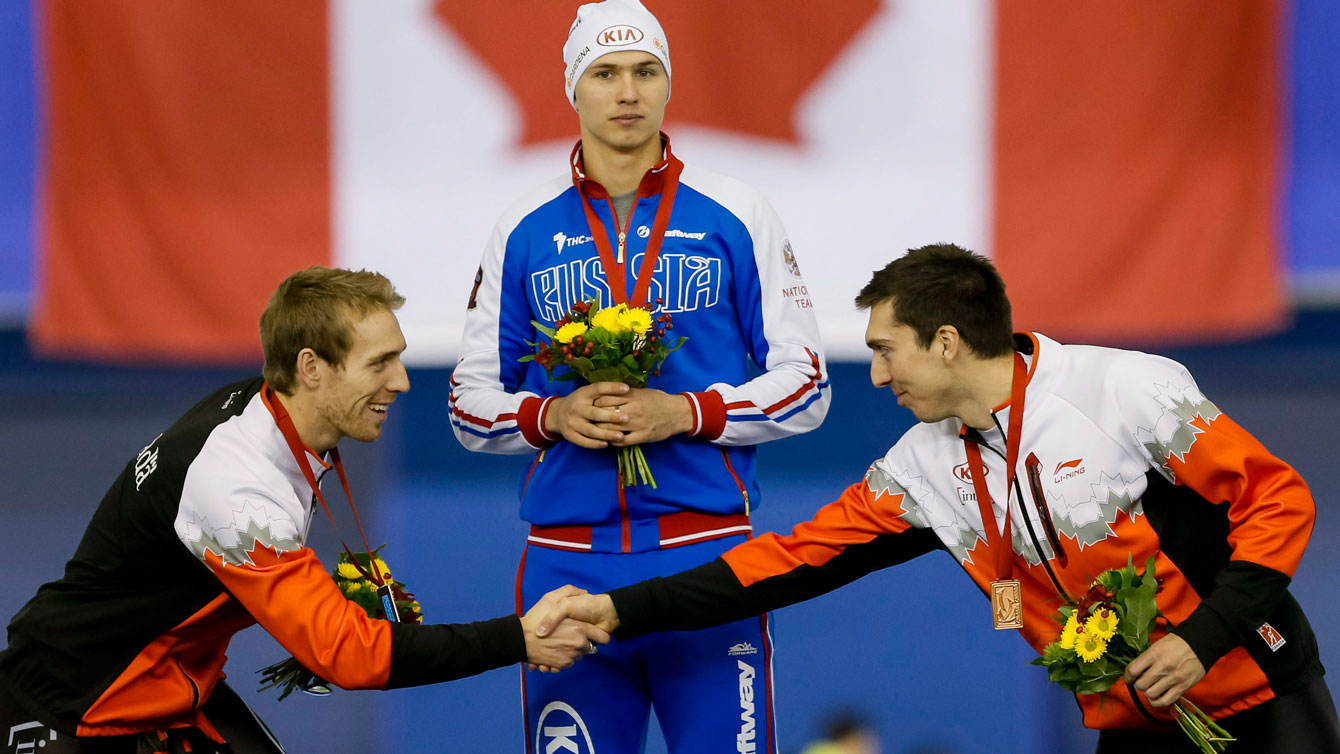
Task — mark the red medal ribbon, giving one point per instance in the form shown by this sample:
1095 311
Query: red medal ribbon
300 452
614 269
1000 542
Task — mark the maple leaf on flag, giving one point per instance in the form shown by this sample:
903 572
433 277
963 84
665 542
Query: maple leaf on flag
738 66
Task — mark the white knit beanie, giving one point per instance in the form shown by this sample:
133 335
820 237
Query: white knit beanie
611 26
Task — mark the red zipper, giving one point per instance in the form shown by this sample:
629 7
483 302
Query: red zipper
625 527
743 494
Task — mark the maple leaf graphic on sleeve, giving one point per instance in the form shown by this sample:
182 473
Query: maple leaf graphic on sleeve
739 66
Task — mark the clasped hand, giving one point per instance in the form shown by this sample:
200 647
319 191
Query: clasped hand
562 642
565 607
611 413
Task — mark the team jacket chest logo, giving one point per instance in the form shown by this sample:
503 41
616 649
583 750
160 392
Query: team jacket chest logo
963 472
685 282
1068 470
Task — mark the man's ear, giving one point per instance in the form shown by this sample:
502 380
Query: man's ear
947 344
308 369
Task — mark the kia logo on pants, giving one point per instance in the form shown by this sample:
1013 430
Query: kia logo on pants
561 729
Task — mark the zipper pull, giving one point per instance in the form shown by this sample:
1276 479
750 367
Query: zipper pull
623 237
746 502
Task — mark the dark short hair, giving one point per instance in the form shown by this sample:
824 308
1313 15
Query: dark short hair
945 284
314 308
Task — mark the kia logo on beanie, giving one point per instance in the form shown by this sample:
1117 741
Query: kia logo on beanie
624 25
618 36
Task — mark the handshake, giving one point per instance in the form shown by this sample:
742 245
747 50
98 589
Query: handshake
565 625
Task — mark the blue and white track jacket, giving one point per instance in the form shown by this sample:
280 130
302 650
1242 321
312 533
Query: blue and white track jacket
725 272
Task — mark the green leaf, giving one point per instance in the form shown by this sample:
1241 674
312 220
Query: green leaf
1097 685
607 374
527 357
549 331
631 363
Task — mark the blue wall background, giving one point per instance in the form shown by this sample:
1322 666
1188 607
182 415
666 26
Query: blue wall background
909 647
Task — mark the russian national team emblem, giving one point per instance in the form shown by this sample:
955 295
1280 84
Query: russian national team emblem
561 729
789 257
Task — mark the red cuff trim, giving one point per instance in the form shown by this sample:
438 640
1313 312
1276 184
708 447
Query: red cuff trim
710 421
530 420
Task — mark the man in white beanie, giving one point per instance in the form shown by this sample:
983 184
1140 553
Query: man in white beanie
629 223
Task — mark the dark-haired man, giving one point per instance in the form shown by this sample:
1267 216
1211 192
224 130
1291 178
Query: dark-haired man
1100 455
203 535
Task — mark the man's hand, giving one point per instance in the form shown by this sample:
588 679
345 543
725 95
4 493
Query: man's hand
581 421
595 609
648 415
563 642
1164 671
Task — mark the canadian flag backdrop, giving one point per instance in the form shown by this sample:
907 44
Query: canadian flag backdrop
1121 163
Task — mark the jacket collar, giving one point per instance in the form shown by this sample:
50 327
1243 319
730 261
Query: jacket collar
653 181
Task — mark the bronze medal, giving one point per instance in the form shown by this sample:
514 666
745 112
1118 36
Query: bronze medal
1007 604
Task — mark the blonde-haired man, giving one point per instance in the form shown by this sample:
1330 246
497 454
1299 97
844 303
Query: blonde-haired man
203 534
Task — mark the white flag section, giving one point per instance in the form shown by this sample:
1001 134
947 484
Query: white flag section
895 152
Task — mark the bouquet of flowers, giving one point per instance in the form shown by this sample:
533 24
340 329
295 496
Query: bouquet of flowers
354 577
1104 631
618 343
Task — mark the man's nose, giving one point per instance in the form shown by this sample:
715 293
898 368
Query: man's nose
879 374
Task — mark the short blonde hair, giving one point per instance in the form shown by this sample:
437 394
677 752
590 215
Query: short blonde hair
312 308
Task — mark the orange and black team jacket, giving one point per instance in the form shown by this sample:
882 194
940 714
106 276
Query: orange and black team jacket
1133 461
201 536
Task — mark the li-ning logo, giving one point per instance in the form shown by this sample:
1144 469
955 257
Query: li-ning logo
743 648
231 397
1272 637
745 740
964 472
1068 470
562 240
31 737
561 732
146 462
619 36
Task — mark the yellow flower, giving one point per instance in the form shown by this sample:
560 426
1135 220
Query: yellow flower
350 588
1070 632
637 320
1103 623
348 571
608 319
382 569
569 331
1090 647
